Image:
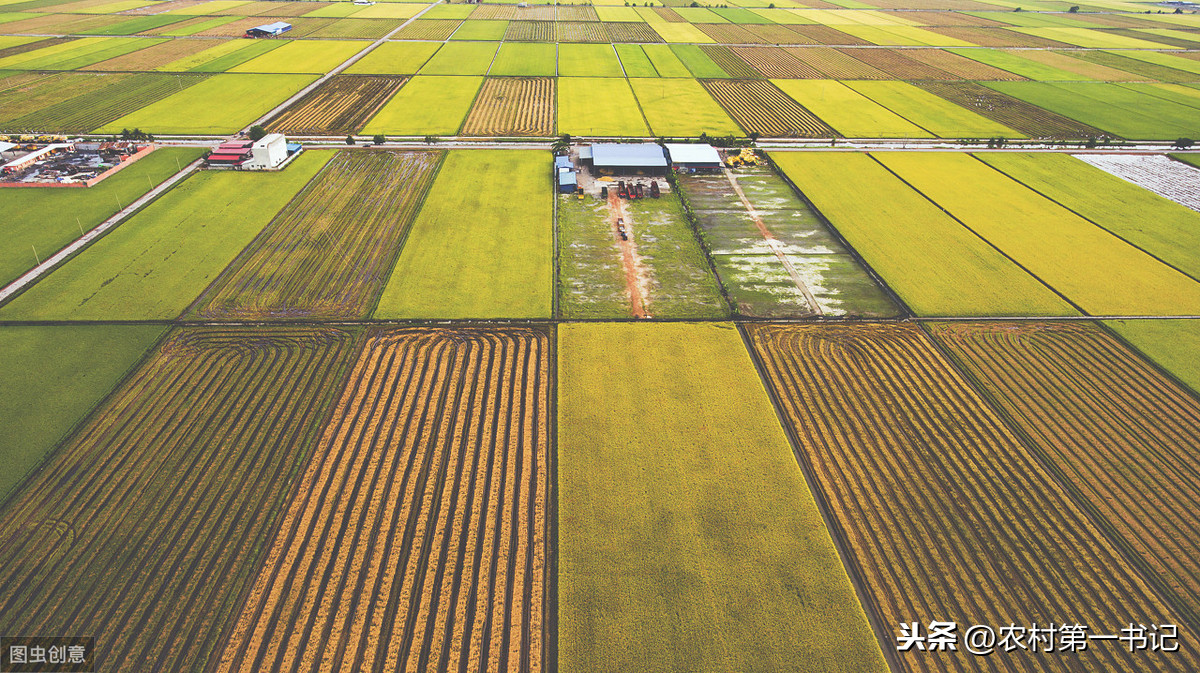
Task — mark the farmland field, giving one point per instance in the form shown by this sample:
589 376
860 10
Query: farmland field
484 252
850 113
943 509
598 106
426 104
1096 271
1013 113
162 545
302 56
1113 427
513 106
394 58
934 264
1173 344
340 105
461 58
680 107
50 377
655 458
760 107
418 532
774 256
157 262
936 115
329 252
48 219
529 60
219 104
1120 111
84 113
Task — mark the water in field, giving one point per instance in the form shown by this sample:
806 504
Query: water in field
779 261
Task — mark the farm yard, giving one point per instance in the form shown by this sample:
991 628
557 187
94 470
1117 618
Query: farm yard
804 335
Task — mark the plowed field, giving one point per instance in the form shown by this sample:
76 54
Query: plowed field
328 254
947 516
141 528
513 106
417 539
341 105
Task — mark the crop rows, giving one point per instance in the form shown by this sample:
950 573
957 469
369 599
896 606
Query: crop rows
580 31
729 33
342 104
428 29
85 113
530 31
513 106
141 528
760 107
154 56
836 64
494 12
960 66
328 254
416 540
369 29
1121 433
729 62
946 515
31 46
575 13
536 13
898 65
776 63
1016 114
827 35
628 33
775 34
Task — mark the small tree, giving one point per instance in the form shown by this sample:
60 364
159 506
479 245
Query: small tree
431 139
349 140
379 139
1073 10
1184 143
257 132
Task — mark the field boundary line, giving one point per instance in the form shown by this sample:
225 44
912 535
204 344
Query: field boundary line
550 623
845 551
1106 528
1084 217
991 245
336 71
1145 357
19 285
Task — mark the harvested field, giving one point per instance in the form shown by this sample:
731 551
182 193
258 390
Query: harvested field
23 94
775 34
955 19
1143 69
827 35
1014 113
897 64
146 525
1114 428
32 45
775 63
513 106
530 31
630 33
496 12
836 64
328 253
301 27
669 15
85 113
418 536
272 8
428 29
153 57
536 13
994 37
581 31
959 66
942 508
341 105
729 33
368 29
729 62
576 13
760 107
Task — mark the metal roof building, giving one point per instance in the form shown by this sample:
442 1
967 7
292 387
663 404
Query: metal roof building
268 29
693 155
628 158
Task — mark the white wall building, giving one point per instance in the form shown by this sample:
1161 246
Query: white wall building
267 153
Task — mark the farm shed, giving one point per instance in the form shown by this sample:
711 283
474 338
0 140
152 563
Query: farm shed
641 158
693 156
230 154
269 29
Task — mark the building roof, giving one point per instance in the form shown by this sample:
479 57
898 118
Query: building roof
567 178
269 139
562 162
273 27
4 147
693 153
645 155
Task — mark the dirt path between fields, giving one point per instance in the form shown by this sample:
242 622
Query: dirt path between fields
774 244
635 271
